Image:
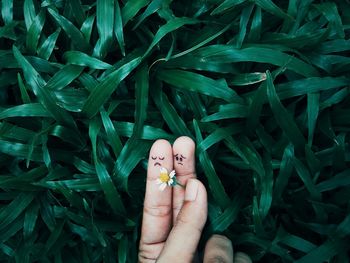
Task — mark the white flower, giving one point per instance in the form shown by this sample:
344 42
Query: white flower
166 179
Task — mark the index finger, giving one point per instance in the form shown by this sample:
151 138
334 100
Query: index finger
157 213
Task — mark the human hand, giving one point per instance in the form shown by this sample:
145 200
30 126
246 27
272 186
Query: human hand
173 219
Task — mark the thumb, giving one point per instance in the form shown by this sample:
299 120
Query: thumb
183 239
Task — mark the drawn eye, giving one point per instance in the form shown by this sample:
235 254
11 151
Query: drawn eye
180 159
161 158
153 158
177 158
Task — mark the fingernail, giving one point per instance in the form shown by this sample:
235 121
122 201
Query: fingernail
191 190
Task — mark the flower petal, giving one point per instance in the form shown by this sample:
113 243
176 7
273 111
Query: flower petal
162 186
170 182
172 174
158 181
163 170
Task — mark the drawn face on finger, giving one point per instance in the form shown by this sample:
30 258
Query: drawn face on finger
179 159
157 160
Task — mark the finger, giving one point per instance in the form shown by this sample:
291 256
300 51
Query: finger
241 257
183 239
218 249
157 212
184 165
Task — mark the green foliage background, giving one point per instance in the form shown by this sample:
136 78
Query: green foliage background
87 86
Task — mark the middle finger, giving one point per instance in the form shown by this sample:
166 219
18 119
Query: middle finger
184 164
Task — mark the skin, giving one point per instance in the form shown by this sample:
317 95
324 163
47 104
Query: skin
173 219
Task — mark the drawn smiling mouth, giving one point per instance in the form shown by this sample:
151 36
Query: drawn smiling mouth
157 164
180 163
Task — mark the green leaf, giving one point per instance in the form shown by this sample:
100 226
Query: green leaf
24 93
330 11
245 17
123 249
324 252
206 40
118 27
142 90
304 175
169 27
105 23
343 228
285 172
107 86
30 220
298 41
131 8
82 59
272 8
55 234
64 77
7 11
112 135
228 54
133 152
34 31
309 85
151 8
195 82
37 84
106 182
25 110
72 32
8 32
312 111
46 49
256 26
222 222
29 13
88 184
148 132
247 154
266 187
14 209
226 5
283 117
255 107
296 242
218 135
338 180
87 26
215 185
171 117
78 11
227 111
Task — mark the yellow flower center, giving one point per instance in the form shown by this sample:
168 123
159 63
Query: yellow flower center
164 177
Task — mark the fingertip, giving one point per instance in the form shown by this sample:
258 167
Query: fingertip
160 156
241 257
160 144
218 249
185 140
221 238
186 146
184 157
220 241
